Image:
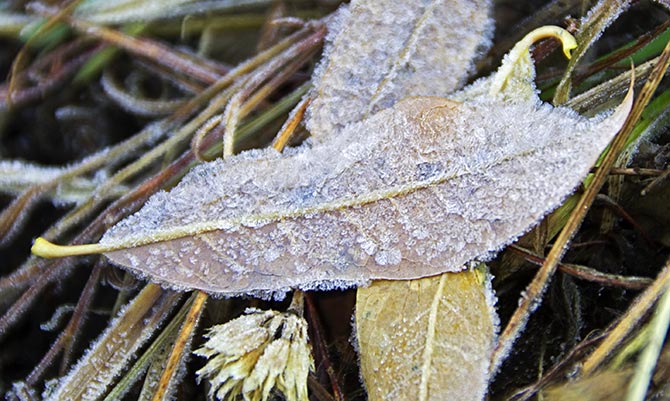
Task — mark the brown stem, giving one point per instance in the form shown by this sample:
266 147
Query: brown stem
319 344
183 338
65 340
587 273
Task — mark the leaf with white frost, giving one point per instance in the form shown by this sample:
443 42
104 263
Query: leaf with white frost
429 181
434 182
379 52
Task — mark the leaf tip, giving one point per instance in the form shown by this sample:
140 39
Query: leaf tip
569 47
517 64
569 43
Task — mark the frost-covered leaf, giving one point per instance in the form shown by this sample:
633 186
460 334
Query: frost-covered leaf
447 322
430 181
384 50
427 339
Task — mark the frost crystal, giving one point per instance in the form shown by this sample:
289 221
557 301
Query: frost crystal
257 352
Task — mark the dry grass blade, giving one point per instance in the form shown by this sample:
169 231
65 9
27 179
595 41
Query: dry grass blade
13 216
626 324
637 389
154 356
17 64
90 377
142 47
265 81
599 18
180 346
67 338
287 130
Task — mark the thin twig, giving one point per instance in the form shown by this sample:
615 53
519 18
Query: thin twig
142 47
655 183
635 171
587 273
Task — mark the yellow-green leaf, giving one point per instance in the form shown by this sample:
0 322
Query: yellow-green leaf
427 339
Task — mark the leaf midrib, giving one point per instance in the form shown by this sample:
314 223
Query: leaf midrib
429 347
131 241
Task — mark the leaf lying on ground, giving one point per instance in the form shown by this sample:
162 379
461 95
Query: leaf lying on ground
382 51
429 181
427 339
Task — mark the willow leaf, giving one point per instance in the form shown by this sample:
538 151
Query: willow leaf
427 339
381 51
432 181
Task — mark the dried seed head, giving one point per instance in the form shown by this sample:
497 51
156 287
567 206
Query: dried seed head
257 352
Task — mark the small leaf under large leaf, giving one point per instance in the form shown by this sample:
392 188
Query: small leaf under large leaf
382 51
427 339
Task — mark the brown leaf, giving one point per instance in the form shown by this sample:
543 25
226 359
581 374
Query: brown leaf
433 182
427 339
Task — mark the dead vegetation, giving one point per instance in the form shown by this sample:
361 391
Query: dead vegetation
107 103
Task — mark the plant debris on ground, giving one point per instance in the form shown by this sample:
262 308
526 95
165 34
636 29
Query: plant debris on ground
107 103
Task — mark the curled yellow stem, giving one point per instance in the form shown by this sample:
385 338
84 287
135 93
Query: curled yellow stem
549 31
46 249
519 53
